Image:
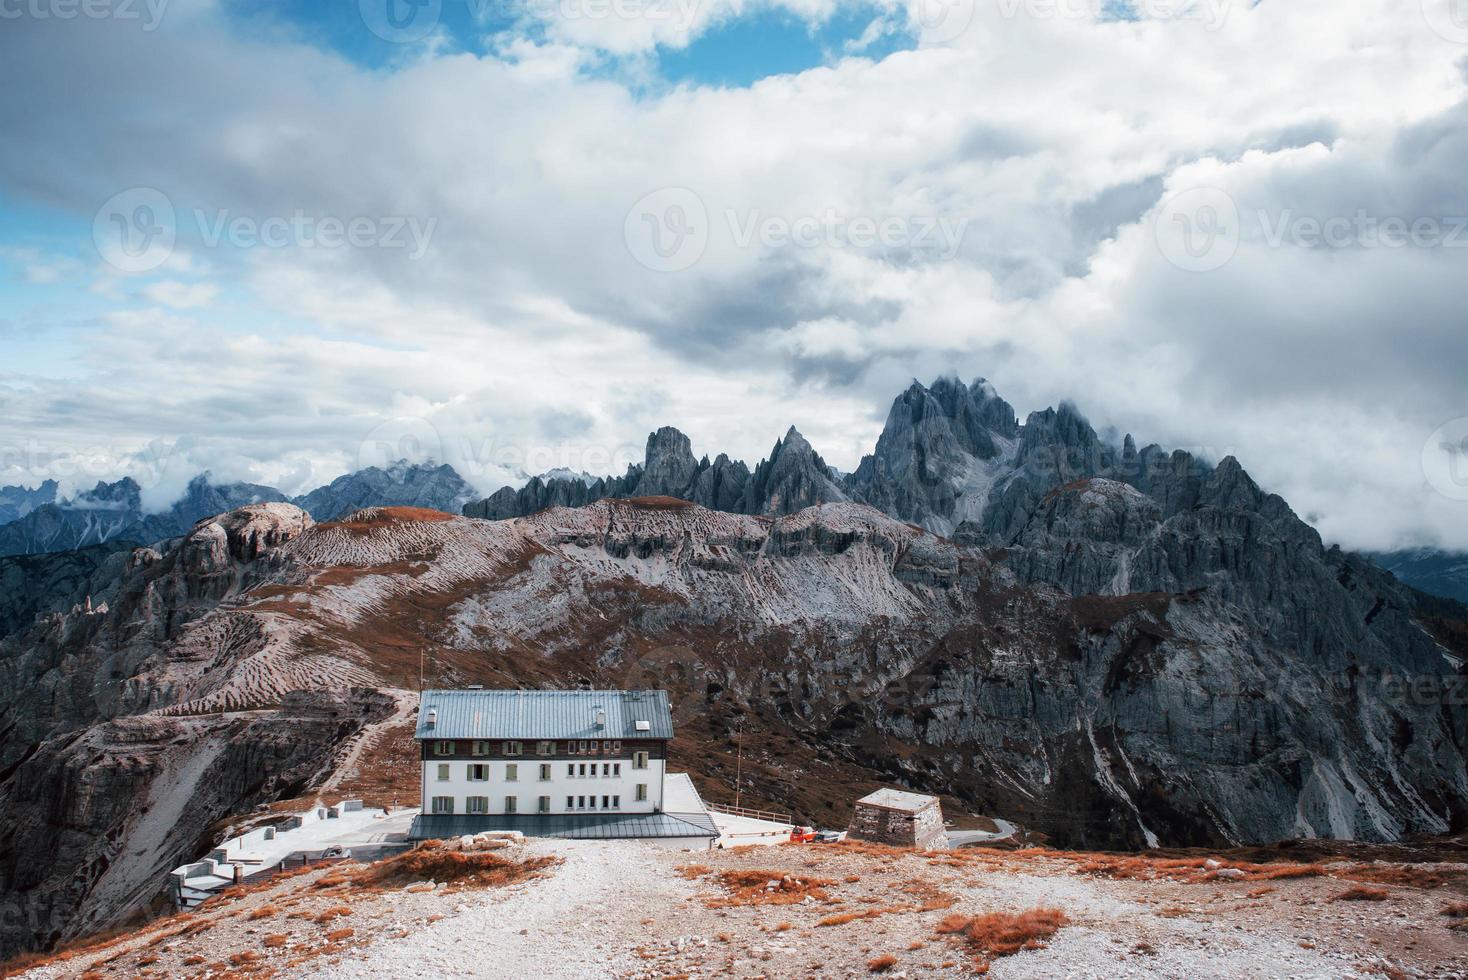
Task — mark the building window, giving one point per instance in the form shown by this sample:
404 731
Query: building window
642 792
512 773
616 769
545 804
581 803
479 773
443 772
479 748
512 804
639 760
570 769
606 802
591 802
476 804
545 748
585 747
545 772
570 803
443 804
616 803
443 747
617 747
514 748
606 768
583 770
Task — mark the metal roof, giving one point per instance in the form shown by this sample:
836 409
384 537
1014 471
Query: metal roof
544 714
896 799
599 826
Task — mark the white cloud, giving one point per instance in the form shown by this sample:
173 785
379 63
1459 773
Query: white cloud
530 329
181 295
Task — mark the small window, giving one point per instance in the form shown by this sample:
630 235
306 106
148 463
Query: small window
606 768
443 747
478 773
591 802
443 772
581 803
616 769
570 769
514 748
544 804
616 803
476 804
545 772
583 770
639 760
606 802
606 748
585 747
480 748
443 804
512 804
617 747
570 803
545 748
642 792
512 773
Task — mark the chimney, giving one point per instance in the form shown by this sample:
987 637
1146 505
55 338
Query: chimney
432 717
601 718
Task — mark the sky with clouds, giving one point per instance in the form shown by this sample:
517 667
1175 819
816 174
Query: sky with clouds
282 240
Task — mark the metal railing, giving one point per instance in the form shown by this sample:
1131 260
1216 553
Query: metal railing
744 811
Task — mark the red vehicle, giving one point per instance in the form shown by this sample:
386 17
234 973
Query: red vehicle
802 835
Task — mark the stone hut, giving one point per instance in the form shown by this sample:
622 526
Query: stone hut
890 816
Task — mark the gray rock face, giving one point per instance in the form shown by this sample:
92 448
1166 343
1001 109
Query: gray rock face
17 502
33 585
113 512
793 478
938 455
402 484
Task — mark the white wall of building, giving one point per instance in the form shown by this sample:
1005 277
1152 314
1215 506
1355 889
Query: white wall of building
528 787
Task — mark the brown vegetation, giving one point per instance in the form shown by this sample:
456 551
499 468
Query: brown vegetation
1362 893
431 862
882 964
764 887
1003 933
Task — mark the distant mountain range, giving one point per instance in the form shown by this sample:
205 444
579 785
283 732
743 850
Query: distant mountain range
113 512
952 458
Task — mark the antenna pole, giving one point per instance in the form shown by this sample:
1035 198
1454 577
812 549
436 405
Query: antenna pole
739 762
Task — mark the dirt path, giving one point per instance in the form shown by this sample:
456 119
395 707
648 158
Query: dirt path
580 921
407 704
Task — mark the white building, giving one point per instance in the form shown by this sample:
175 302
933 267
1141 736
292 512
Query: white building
549 763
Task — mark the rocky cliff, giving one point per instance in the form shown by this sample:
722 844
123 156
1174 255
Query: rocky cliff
1116 672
